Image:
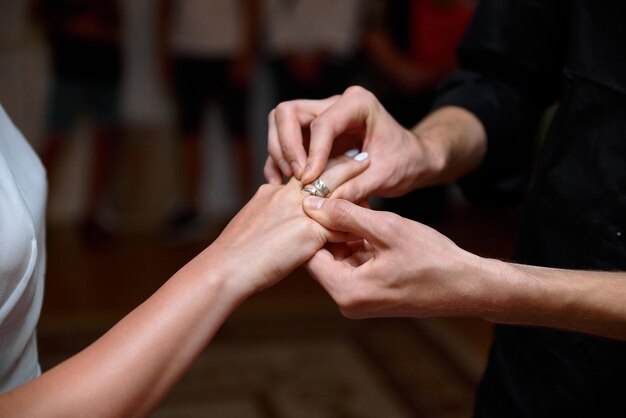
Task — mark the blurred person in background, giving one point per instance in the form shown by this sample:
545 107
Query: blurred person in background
130 369
559 348
84 37
312 45
208 50
411 46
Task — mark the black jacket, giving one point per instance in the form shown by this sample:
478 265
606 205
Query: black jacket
517 58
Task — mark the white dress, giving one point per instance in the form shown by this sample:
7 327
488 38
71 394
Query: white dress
23 192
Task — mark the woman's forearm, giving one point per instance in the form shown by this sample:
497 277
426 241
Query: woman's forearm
130 369
591 302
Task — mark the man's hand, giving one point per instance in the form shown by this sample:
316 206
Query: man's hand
332 126
392 266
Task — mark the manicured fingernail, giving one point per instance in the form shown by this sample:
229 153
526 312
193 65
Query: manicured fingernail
284 167
351 153
295 167
362 156
313 202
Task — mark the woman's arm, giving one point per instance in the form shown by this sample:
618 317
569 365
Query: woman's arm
130 369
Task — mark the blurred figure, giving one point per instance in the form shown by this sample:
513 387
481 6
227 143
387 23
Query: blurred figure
313 45
208 49
412 47
84 37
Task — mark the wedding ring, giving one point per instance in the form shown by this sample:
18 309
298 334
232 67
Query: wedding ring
312 191
317 188
319 185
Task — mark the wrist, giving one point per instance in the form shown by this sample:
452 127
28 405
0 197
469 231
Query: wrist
431 159
503 291
454 143
218 275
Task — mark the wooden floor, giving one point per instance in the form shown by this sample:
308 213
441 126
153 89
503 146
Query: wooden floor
286 352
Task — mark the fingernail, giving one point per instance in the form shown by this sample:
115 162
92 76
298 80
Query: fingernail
351 153
307 172
295 167
362 156
284 167
313 202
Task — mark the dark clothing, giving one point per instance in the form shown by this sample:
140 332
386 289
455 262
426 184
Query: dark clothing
84 38
518 57
85 60
336 75
198 81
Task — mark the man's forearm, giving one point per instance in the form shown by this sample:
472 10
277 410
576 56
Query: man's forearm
456 142
591 302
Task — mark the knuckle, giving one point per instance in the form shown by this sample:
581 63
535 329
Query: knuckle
391 224
318 124
359 92
340 212
265 189
284 110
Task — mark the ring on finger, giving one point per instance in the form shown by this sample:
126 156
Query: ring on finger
321 186
310 189
317 188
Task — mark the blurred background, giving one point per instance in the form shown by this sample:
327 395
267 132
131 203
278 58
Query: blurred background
151 118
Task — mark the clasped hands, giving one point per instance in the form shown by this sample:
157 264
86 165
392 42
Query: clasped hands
371 263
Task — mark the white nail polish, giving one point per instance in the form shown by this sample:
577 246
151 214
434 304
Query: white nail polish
351 153
362 156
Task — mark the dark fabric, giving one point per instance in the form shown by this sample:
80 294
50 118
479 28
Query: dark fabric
335 75
198 81
85 60
518 57
84 38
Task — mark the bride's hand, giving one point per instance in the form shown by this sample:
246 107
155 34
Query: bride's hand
272 235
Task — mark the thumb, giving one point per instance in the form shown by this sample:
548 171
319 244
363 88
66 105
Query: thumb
341 215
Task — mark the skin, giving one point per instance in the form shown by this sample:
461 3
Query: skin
394 267
391 266
160 339
447 144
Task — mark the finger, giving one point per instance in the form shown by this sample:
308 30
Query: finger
289 120
271 172
273 145
349 112
340 236
339 250
341 215
351 153
353 190
354 253
289 133
327 271
342 169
